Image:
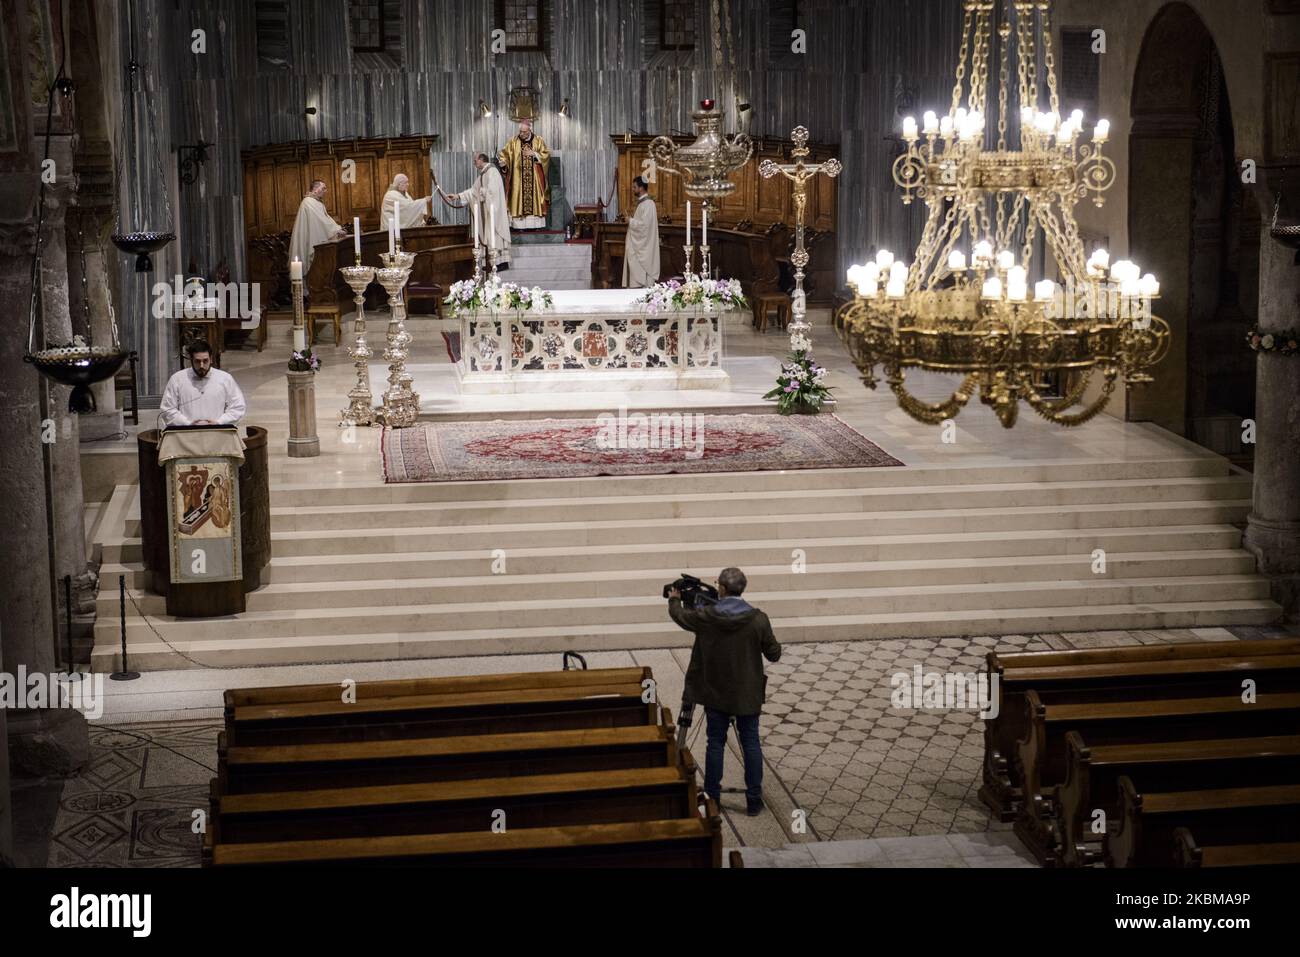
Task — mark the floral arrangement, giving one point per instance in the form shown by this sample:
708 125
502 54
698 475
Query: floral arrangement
304 361
799 387
1283 343
490 293
706 294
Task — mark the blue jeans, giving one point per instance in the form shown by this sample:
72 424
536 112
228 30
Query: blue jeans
716 732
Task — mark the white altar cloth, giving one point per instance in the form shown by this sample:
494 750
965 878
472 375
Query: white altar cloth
592 340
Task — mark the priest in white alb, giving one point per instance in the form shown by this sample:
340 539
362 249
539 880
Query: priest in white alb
201 395
312 226
641 248
410 212
489 217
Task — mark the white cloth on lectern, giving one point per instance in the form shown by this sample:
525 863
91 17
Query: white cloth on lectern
410 212
189 398
312 226
641 247
489 191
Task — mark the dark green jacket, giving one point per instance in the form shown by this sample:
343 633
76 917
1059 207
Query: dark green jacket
726 670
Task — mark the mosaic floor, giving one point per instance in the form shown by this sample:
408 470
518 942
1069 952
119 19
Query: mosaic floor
863 771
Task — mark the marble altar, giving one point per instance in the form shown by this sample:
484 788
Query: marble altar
592 340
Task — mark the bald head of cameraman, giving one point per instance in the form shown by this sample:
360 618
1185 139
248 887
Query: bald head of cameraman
726 676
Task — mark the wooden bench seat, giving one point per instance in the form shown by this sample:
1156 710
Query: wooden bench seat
546 800
1223 816
684 842
244 770
1092 778
291 694
414 716
1042 756
1190 854
1129 673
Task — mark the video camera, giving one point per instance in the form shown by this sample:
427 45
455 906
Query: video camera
695 593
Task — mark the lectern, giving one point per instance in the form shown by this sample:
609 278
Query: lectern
204 516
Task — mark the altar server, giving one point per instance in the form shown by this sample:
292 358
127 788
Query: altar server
489 218
410 212
641 255
201 395
313 225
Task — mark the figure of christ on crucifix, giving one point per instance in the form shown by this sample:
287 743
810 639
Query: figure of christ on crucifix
799 173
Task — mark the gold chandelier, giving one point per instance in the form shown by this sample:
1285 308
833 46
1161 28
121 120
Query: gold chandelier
965 304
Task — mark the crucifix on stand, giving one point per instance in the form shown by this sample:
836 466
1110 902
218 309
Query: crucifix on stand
799 172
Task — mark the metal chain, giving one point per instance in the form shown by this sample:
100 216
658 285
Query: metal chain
1003 79
961 60
1049 64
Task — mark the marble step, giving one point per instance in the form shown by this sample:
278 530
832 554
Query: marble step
636 551
241 647
803 501
278 594
404 611
321 492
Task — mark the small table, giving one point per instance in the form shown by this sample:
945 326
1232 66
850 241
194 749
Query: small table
197 318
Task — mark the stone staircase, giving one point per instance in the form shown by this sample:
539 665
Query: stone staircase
407 571
551 265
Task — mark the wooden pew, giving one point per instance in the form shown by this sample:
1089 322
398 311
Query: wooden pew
1188 853
455 684
1042 755
685 842
1093 773
1129 673
442 715
298 767
1225 816
541 800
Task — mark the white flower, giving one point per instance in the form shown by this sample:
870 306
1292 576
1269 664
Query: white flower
1267 342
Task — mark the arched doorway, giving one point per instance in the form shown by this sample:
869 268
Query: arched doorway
1193 225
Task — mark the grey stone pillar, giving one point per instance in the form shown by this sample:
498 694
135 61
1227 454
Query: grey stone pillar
69 506
52 741
1273 530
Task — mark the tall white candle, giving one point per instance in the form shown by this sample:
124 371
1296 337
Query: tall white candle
704 227
295 268
688 222
397 223
492 226
299 339
391 244
356 235
475 213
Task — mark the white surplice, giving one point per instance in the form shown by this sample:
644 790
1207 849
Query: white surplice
312 226
489 194
410 212
641 248
188 398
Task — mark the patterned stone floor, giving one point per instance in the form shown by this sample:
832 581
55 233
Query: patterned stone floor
867 774
134 804
862 768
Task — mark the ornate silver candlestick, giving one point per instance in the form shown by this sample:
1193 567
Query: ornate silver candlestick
360 400
401 403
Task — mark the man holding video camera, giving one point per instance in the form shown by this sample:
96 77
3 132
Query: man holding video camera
726 676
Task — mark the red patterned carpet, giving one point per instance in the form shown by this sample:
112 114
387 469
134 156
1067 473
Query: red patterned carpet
637 444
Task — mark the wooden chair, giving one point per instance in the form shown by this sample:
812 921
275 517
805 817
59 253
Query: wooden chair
125 380
1188 853
765 302
331 312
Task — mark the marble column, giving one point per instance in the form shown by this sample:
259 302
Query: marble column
1273 529
49 742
